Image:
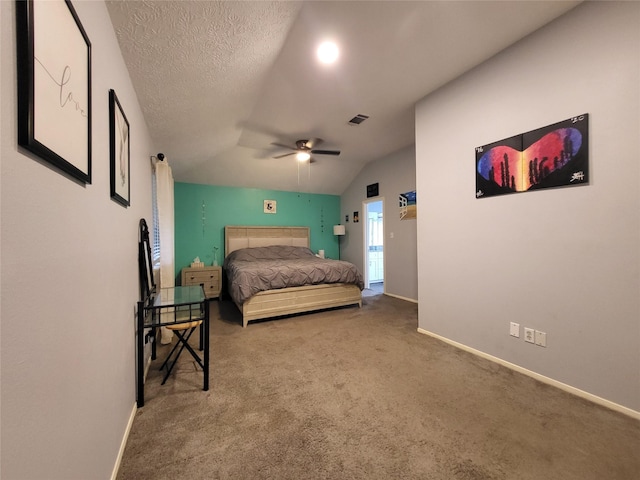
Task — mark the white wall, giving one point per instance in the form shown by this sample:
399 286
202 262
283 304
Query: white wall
395 174
565 261
69 282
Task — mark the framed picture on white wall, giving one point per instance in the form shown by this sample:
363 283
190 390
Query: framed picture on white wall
54 85
119 141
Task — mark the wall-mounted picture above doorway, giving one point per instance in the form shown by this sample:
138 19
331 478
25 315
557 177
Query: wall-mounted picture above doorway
553 156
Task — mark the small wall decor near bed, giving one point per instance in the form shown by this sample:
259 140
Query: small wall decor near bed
270 206
553 156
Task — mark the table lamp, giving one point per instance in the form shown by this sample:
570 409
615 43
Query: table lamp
339 230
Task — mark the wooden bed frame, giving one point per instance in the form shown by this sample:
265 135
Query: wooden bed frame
286 301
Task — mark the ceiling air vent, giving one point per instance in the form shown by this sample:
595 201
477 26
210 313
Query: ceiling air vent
358 119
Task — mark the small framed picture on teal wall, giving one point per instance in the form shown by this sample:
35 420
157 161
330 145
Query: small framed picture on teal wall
269 206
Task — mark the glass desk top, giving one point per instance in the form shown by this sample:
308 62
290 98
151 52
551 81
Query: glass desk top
174 305
177 296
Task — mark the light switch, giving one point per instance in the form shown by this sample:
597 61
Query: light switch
514 329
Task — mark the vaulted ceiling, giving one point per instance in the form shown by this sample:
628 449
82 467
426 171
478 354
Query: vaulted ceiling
220 82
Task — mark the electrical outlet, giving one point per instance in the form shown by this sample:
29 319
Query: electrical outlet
541 339
514 329
529 335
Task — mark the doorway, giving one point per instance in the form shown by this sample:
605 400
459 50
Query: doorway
374 245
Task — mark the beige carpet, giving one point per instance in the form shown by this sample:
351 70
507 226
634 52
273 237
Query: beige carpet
359 394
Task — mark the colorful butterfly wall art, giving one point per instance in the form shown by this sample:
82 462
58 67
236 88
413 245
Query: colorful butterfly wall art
553 156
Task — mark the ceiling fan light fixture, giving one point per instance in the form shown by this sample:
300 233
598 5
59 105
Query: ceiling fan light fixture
302 156
328 52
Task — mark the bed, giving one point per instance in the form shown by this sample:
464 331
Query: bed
255 302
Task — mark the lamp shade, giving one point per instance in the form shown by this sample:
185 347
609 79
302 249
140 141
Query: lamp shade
339 230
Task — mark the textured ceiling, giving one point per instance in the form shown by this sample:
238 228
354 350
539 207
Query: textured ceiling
219 82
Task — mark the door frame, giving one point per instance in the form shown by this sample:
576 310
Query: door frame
365 238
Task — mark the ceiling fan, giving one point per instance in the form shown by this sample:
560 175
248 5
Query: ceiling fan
305 148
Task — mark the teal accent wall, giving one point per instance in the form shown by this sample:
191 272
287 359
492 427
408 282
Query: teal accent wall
199 229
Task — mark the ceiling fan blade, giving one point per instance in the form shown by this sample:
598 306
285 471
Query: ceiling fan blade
326 152
284 146
313 142
285 155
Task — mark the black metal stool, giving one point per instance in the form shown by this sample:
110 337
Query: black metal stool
183 332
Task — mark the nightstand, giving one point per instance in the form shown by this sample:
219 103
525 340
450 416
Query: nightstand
209 277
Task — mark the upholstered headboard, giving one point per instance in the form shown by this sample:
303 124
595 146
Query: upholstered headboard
236 237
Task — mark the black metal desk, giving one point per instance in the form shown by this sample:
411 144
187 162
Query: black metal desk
171 306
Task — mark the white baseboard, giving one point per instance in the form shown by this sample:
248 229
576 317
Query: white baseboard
123 444
125 437
549 381
401 298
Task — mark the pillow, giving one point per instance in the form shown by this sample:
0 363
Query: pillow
273 252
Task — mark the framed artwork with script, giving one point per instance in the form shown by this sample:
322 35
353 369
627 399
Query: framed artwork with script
54 85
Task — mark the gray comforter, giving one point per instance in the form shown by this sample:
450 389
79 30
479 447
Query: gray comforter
253 270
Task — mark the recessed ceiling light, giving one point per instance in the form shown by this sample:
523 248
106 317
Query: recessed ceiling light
328 52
